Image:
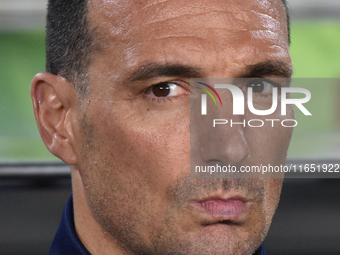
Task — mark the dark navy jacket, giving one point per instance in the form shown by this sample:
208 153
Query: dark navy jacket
66 241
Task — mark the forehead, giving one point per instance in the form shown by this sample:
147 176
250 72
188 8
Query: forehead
149 11
172 30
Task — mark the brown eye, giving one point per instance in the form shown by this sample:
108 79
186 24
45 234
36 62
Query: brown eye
161 90
260 86
257 86
168 89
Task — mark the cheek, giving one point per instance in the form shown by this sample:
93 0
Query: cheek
145 149
273 192
136 160
268 207
269 144
153 147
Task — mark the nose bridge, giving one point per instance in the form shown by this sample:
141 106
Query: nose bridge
234 95
224 143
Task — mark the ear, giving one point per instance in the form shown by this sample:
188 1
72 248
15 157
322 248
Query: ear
54 100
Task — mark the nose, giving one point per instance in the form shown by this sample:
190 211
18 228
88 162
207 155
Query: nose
224 144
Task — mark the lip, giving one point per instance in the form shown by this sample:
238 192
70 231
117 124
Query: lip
218 209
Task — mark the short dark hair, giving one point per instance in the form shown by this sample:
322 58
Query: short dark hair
70 40
285 4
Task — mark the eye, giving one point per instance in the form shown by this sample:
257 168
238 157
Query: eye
260 86
167 89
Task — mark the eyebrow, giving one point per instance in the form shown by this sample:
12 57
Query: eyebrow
154 70
267 68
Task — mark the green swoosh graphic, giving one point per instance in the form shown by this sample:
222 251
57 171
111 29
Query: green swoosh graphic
208 94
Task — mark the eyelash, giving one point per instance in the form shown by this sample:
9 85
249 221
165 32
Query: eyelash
161 99
171 98
272 83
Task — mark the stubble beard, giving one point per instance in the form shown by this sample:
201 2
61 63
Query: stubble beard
164 237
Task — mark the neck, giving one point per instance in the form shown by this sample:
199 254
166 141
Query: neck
90 232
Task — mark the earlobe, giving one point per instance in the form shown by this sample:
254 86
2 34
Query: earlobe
53 100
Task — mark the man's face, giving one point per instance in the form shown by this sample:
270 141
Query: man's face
133 142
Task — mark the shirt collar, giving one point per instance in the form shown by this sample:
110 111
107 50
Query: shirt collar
66 240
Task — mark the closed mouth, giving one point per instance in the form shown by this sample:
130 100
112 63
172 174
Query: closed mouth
216 210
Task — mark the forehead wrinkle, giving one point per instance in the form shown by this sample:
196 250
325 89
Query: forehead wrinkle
272 37
132 15
187 9
185 16
268 6
221 16
202 44
153 4
225 23
220 27
268 21
207 34
243 20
